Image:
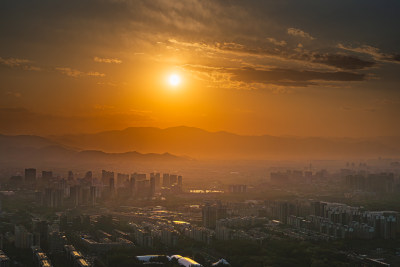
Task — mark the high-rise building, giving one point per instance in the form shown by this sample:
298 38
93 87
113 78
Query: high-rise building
88 176
47 176
23 238
106 176
76 195
237 188
143 188
30 175
180 181
93 195
48 197
85 195
122 179
166 180
70 176
132 185
112 186
173 179
152 186
157 181
209 215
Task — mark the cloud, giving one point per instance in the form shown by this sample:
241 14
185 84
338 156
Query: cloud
299 33
70 72
251 78
77 73
107 60
341 61
14 62
290 75
276 42
95 74
374 52
284 54
19 63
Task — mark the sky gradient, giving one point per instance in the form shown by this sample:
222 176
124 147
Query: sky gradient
302 68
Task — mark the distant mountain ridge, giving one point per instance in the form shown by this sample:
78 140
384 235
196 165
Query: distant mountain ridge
199 143
32 150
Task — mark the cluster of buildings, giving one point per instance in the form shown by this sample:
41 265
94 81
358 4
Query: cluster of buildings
146 233
74 257
335 219
381 183
40 258
40 232
297 176
315 219
234 220
199 233
55 192
237 188
244 228
105 241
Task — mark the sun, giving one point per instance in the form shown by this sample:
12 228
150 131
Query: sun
174 80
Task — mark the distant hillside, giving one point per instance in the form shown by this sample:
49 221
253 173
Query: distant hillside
24 141
199 143
32 150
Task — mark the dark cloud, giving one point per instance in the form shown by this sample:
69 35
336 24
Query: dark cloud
346 62
340 61
373 52
282 75
393 58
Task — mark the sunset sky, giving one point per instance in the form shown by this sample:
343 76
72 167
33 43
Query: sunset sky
302 68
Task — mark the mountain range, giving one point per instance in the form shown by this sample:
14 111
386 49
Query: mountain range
35 150
198 143
138 144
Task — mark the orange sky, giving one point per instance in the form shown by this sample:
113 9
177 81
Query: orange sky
73 67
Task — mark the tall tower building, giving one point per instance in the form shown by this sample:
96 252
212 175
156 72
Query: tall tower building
70 176
88 176
112 186
152 185
47 176
93 195
132 185
106 176
209 214
173 179
166 180
30 175
157 181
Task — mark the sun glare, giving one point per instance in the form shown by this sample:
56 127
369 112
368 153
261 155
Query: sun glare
174 80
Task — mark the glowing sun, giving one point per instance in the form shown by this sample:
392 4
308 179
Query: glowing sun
174 80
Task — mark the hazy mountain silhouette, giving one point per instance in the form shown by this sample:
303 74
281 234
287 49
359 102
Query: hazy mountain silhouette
196 142
31 150
24 141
